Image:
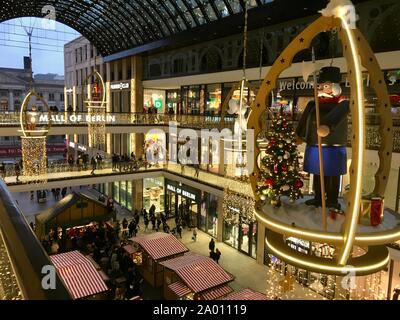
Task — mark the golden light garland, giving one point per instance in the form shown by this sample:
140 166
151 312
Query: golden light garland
34 158
33 138
235 205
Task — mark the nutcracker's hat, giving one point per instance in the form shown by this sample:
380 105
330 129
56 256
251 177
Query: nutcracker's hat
330 74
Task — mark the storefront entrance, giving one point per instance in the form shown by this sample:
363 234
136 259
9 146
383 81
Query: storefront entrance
242 236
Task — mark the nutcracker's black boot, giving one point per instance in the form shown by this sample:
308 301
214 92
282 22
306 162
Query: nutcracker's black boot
332 192
316 202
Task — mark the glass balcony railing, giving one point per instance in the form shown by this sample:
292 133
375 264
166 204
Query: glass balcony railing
121 119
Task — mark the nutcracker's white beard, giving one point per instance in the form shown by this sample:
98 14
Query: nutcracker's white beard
336 91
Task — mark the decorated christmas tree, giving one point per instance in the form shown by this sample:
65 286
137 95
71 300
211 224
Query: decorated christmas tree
280 175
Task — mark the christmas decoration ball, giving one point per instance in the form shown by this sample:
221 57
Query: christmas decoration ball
268 182
284 168
285 187
288 141
299 184
280 145
265 191
263 198
280 158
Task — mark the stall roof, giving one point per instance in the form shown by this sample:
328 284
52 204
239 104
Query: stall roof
246 294
216 293
64 204
179 289
199 273
160 245
79 275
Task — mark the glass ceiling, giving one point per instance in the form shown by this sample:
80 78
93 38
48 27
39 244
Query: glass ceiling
116 25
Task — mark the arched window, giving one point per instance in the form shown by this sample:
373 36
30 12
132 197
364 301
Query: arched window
211 61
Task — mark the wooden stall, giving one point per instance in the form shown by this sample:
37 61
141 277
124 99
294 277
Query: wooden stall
75 209
151 250
195 277
80 276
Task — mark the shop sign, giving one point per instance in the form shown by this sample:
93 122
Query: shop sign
120 86
16 151
61 119
158 104
181 192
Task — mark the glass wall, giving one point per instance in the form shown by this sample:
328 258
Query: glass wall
241 235
122 193
173 101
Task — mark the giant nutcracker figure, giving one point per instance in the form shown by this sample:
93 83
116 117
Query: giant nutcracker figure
333 110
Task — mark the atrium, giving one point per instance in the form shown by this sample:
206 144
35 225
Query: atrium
201 150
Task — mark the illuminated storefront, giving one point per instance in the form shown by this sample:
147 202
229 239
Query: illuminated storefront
196 208
154 99
240 233
153 193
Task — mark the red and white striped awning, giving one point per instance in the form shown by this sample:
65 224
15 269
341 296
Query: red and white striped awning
160 245
216 293
129 248
246 294
179 289
199 273
79 275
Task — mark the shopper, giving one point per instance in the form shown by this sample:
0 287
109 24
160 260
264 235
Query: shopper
17 170
3 170
179 230
211 245
99 160
196 170
217 255
93 162
194 237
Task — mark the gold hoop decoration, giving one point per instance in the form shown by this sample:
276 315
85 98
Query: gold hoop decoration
35 126
96 112
376 258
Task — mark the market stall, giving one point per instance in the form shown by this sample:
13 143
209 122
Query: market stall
80 276
246 294
195 277
151 250
76 209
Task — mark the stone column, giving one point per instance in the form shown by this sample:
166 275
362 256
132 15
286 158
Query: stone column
137 194
220 225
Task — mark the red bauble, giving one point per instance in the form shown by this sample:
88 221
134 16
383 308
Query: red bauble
269 182
299 184
284 168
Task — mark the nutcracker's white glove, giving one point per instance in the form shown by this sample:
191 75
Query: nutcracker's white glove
323 131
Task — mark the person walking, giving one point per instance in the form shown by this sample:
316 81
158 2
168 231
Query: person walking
17 169
211 245
197 170
93 162
194 237
217 255
99 160
131 227
179 230
146 222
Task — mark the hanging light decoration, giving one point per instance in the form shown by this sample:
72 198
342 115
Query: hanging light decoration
96 106
34 129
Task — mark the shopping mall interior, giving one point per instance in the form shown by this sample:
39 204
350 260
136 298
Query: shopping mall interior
200 150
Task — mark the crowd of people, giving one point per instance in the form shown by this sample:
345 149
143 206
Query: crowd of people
104 242
127 163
